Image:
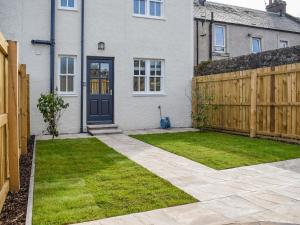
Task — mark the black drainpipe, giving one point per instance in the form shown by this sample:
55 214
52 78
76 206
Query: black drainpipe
51 43
197 40
210 35
82 66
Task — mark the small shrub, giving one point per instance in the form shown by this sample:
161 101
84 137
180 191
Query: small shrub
203 108
51 106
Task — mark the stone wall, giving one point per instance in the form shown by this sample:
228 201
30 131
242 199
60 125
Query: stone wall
252 61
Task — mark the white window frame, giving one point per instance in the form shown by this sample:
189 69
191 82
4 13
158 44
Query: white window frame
283 41
260 44
67 7
67 93
215 38
148 75
147 10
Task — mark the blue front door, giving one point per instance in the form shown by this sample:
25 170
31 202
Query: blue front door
100 74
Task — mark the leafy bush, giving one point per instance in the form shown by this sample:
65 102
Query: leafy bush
203 110
51 106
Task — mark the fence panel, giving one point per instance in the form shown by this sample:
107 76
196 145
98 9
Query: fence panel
4 165
14 117
264 101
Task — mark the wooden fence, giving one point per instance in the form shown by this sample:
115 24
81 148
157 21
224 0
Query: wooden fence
14 116
264 101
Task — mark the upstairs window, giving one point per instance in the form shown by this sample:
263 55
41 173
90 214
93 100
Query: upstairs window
256 45
283 44
148 8
67 4
219 38
140 7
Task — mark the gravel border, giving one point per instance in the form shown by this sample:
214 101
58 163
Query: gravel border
31 189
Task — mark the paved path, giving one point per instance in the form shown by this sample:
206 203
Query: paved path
242 195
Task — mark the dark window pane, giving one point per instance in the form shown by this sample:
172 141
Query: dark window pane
142 83
136 84
70 83
136 6
136 67
158 68
158 84
158 9
152 84
143 67
152 8
152 68
63 83
63 65
104 70
64 3
142 7
71 65
71 3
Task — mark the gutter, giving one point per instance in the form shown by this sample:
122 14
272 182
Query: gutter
197 39
210 35
50 43
82 66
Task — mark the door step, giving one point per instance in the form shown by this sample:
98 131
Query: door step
101 129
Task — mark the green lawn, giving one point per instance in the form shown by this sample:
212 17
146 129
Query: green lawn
83 179
222 151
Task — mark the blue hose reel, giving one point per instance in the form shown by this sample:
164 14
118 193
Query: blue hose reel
165 122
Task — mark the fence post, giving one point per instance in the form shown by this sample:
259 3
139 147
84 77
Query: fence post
253 107
23 104
13 128
28 107
194 101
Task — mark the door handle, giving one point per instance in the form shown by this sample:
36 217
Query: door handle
110 91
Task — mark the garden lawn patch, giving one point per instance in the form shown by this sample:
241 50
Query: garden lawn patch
83 180
222 151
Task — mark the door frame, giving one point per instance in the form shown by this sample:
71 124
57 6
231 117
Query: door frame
113 85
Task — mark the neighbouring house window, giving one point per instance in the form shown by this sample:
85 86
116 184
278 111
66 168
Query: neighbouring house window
284 44
256 45
148 76
67 4
66 74
151 8
219 38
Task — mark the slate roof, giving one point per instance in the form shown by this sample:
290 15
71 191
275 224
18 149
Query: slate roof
246 16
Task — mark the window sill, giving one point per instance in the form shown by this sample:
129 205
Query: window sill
149 17
68 94
149 94
223 54
68 9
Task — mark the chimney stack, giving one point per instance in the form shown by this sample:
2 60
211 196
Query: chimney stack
276 6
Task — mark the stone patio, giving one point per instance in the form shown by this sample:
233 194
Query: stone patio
261 194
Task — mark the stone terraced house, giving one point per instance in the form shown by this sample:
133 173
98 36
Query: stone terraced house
223 31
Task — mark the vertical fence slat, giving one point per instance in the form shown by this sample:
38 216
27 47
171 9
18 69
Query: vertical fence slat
13 116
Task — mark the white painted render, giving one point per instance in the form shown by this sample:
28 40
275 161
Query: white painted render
126 37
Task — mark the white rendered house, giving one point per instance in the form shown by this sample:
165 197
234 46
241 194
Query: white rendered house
114 61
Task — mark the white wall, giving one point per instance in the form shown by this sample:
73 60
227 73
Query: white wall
126 38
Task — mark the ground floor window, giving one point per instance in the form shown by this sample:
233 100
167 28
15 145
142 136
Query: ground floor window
66 76
148 76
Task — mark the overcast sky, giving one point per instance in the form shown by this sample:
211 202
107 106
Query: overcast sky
293 6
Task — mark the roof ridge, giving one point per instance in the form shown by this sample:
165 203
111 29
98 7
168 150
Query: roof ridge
241 7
